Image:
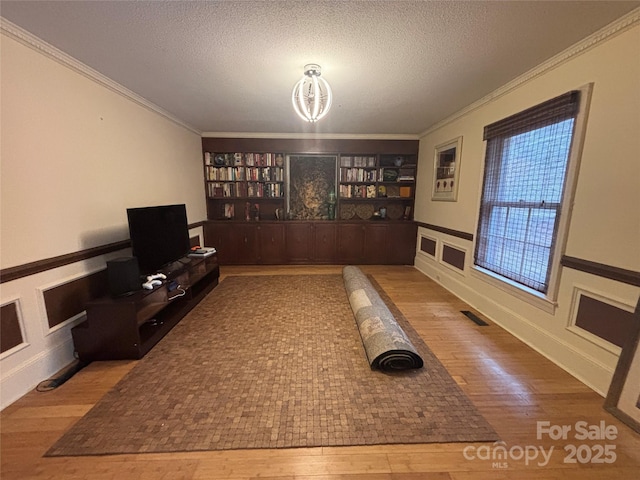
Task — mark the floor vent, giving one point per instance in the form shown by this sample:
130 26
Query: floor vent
474 318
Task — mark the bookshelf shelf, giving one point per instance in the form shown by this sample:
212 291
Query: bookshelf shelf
246 185
252 186
385 181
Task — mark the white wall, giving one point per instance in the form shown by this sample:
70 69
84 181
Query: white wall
75 154
605 224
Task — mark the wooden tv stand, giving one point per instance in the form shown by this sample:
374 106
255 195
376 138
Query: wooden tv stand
128 327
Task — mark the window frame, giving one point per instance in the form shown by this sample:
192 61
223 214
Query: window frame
545 301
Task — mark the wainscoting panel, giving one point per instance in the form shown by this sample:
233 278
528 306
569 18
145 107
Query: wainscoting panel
428 245
10 328
67 300
453 256
601 318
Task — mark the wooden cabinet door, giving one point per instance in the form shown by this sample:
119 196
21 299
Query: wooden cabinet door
299 242
401 243
217 235
375 243
350 243
272 244
324 242
244 244
327 242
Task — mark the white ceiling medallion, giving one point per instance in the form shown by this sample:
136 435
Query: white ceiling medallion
311 96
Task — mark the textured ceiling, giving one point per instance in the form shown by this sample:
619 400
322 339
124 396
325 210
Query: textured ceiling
396 68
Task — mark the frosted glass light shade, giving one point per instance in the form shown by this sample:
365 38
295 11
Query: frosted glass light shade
311 96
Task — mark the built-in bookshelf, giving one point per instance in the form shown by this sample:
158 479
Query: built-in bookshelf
248 179
358 176
377 186
244 185
357 181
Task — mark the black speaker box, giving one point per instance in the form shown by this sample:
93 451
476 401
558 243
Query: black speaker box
124 276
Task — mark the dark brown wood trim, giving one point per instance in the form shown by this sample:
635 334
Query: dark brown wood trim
19 271
601 270
310 145
196 224
13 273
448 231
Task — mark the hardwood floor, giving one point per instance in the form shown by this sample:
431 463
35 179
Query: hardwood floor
513 387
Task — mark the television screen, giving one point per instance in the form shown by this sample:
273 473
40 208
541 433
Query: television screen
159 235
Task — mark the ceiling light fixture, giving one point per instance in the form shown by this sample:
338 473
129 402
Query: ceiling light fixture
311 96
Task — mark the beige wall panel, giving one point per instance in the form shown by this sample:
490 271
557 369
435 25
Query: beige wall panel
76 154
605 224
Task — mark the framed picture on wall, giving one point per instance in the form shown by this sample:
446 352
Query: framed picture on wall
623 398
446 170
312 181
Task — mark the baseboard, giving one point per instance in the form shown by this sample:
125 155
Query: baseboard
25 377
586 369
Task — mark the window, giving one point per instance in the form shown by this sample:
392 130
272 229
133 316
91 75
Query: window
526 165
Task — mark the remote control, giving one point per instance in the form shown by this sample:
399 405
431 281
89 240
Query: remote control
151 283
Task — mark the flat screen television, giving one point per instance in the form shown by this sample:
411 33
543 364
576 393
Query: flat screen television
159 236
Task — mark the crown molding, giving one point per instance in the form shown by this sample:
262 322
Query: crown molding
310 136
624 23
28 39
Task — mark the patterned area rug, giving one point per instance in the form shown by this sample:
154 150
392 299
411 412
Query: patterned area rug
273 362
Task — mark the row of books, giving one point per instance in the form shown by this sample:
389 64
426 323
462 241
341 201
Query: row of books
242 189
265 174
232 174
263 159
357 191
384 175
358 175
242 159
358 161
277 159
226 173
262 190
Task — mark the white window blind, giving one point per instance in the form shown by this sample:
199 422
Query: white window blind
525 168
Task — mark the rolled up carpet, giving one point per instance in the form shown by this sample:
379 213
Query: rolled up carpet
385 343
